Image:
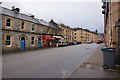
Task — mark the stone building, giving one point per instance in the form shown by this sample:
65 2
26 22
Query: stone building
78 34
84 35
21 31
67 33
94 36
101 36
112 24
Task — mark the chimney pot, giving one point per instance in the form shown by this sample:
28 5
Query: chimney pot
15 9
32 16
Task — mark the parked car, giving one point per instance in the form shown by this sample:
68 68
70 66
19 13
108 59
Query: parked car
89 42
70 43
78 42
62 43
65 43
75 42
98 42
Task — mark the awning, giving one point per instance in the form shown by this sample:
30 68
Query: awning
57 37
48 37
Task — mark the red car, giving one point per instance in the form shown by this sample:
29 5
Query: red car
98 42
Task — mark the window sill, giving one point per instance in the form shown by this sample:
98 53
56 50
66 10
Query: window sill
33 45
7 27
22 29
8 46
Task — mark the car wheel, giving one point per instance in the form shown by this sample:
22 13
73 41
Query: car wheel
105 66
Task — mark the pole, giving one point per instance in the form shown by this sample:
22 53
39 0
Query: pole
118 42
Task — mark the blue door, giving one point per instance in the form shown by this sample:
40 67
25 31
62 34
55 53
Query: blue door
39 43
22 45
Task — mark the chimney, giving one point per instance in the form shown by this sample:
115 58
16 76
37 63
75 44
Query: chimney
17 10
42 19
13 7
0 3
32 16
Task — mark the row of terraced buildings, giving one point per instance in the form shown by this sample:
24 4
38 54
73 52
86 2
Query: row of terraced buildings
21 31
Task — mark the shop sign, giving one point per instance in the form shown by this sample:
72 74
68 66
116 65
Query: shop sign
48 37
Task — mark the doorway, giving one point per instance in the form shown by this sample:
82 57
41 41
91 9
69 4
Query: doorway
39 42
22 47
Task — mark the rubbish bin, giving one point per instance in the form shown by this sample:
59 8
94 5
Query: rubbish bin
109 57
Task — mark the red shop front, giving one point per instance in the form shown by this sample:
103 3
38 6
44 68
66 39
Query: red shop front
48 40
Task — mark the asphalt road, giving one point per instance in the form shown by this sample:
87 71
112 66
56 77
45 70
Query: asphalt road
46 63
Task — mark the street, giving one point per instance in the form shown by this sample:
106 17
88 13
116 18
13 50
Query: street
46 63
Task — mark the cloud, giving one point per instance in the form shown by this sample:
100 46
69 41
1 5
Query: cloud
75 14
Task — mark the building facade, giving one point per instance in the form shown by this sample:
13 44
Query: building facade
78 34
84 35
112 24
20 31
101 36
67 33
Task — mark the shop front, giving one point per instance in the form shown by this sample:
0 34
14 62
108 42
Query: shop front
48 41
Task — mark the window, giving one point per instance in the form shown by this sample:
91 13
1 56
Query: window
22 25
32 40
8 22
105 31
33 26
8 40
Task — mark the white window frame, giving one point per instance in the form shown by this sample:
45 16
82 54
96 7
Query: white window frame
10 41
10 23
33 41
23 25
32 27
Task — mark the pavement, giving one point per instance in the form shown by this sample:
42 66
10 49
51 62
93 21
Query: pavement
92 67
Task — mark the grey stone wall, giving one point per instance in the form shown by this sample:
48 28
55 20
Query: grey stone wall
16 33
16 24
16 40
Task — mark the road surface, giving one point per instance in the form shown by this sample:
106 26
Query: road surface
46 63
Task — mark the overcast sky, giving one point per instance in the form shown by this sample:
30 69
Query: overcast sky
74 13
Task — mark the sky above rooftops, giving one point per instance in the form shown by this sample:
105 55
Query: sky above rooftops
75 13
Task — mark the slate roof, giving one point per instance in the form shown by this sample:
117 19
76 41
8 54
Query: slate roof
48 23
11 13
43 22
